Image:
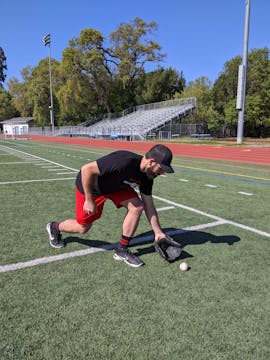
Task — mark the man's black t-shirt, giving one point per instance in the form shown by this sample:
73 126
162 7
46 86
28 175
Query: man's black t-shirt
118 171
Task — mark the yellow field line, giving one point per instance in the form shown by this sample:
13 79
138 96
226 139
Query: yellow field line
222 172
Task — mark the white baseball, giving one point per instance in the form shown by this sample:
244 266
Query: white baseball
183 266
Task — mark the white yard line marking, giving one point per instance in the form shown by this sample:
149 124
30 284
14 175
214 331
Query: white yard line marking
36 180
49 166
93 250
48 259
54 169
142 239
210 185
165 208
17 162
183 180
248 228
14 152
244 193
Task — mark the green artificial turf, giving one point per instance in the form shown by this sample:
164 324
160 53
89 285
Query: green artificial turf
92 307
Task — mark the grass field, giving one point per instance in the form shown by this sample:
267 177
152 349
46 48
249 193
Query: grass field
78 303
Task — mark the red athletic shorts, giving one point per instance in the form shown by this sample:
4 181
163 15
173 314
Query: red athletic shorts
117 198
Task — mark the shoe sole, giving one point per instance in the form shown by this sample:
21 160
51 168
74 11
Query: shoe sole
118 258
49 233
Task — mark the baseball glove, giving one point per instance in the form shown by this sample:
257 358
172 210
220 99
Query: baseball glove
168 249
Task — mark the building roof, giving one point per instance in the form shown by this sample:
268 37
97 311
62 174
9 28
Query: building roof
17 121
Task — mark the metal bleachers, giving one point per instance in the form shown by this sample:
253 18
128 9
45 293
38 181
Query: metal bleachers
137 124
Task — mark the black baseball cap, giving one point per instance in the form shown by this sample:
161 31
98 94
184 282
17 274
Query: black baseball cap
163 156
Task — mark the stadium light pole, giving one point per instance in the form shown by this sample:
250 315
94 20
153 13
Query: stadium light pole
47 42
242 74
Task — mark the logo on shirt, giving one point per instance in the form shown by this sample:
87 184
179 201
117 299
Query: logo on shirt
132 182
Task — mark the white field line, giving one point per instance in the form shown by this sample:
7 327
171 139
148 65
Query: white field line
248 228
17 162
92 250
37 157
50 167
54 169
165 208
244 193
32 181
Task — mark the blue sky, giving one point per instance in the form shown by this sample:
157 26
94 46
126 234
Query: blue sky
198 36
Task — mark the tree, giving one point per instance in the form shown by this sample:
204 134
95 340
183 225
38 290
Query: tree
131 49
76 102
7 110
257 109
18 91
32 96
38 92
87 57
257 105
159 85
201 89
108 67
3 66
225 87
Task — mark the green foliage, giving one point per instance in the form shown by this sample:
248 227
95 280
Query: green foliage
76 102
204 113
86 56
159 85
91 307
3 65
131 48
257 106
7 110
18 91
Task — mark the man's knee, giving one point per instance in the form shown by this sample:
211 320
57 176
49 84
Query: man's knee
136 207
82 229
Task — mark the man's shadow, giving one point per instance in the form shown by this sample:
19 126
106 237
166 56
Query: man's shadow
183 237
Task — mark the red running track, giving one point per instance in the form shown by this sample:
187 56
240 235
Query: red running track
245 154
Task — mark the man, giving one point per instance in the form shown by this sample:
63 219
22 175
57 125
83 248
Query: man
113 177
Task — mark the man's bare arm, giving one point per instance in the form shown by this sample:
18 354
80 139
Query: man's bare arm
89 171
152 215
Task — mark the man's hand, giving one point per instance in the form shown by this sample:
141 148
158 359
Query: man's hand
90 207
167 248
159 235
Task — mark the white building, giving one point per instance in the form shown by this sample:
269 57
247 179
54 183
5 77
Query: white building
16 126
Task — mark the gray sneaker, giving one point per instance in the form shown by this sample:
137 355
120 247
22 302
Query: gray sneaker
55 236
125 255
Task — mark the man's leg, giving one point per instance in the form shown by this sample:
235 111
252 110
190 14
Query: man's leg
72 226
80 225
134 211
54 230
134 208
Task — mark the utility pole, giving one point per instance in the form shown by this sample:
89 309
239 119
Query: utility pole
47 42
242 75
